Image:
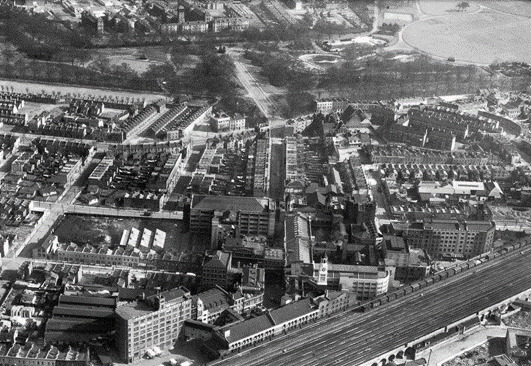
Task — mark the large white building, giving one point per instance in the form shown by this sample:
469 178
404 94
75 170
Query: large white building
365 281
151 323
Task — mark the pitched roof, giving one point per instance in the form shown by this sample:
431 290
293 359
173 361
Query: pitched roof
213 298
220 259
248 328
292 311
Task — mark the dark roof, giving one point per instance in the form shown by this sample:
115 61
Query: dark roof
247 328
172 294
79 325
292 311
224 203
199 325
213 298
82 311
134 293
87 300
394 242
315 198
220 259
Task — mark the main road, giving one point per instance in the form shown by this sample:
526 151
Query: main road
357 338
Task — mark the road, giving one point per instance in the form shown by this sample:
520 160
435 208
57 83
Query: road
256 92
357 338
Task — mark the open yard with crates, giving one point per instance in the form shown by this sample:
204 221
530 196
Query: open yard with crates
479 37
99 230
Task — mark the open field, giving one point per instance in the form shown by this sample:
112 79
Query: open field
131 56
517 7
433 7
481 38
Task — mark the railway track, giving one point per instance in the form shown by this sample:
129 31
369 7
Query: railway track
355 338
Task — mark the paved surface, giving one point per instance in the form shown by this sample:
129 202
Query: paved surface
355 338
261 98
454 347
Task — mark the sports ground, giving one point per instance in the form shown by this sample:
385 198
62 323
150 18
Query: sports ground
478 35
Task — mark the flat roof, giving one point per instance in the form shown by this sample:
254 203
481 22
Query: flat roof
133 310
233 203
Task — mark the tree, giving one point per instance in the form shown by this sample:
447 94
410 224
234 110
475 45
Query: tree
102 64
463 5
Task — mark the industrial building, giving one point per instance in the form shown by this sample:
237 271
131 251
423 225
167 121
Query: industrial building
151 323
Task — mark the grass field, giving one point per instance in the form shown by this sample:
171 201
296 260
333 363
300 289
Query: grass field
481 38
131 56
516 7
434 7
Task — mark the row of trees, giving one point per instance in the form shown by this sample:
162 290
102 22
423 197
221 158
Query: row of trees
377 78
38 37
12 65
389 28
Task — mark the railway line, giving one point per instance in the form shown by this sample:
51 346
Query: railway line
355 338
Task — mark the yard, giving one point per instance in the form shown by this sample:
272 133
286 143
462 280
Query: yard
108 230
521 319
479 355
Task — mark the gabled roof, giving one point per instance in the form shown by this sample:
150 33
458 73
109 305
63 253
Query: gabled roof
248 328
213 298
220 259
292 311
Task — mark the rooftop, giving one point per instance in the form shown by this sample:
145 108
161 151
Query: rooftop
133 310
224 203
292 311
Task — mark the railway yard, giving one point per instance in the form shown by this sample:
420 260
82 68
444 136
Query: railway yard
355 338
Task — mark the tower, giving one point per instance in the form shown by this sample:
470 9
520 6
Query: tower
180 13
323 272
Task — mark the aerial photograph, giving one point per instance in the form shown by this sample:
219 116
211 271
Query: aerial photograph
265 183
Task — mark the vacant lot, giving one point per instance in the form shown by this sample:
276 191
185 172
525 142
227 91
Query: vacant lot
97 230
480 38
